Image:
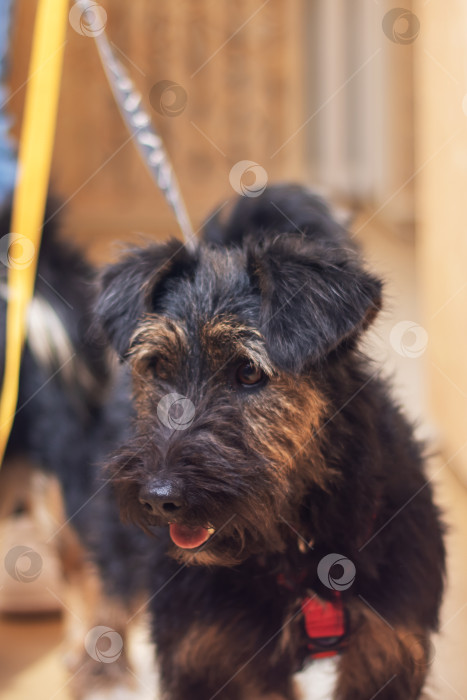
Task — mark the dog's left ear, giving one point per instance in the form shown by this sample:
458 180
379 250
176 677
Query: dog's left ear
313 299
135 285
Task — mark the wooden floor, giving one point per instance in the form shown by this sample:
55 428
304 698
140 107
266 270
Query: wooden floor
31 651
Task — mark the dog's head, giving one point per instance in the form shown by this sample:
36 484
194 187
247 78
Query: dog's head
228 348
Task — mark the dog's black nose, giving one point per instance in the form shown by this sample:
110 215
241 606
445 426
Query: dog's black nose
161 497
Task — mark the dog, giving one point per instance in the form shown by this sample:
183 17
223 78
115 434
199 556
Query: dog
285 486
73 408
273 498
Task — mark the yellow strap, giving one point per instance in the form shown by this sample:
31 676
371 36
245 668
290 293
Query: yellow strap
34 159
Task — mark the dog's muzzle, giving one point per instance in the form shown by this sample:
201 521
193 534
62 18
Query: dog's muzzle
164 498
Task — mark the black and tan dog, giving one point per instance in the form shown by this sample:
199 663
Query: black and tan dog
285 474
285 490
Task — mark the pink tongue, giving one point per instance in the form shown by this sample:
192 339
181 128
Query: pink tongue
188 537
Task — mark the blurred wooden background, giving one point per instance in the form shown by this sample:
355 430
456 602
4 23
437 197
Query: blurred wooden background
441 211
243 99
284 83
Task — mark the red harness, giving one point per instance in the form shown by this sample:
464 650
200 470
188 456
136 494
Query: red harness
325 623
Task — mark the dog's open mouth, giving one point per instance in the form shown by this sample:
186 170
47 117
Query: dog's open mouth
187 537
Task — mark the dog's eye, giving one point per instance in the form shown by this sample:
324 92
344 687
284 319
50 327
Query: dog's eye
248 374
153 365
157 367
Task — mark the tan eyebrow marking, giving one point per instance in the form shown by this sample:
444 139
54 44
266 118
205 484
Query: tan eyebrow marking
158 336
225 336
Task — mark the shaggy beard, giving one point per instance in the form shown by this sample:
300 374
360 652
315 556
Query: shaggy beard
247 520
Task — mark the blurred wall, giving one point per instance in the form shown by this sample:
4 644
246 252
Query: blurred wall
360 101
312 90
239 67
441 198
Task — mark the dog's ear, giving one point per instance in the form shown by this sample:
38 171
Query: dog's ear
281 208
134 285
313 299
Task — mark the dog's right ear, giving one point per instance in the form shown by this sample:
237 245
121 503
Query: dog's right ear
313 298
133 286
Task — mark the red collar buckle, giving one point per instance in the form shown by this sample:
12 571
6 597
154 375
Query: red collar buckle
325 625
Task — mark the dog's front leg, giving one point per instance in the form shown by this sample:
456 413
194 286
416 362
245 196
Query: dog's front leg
222 662
381 660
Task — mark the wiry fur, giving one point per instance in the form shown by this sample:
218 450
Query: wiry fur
315 453
317 448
